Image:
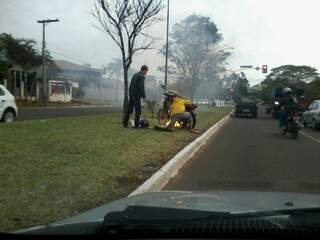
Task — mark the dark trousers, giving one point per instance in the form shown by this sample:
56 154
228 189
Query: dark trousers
185 117
283 119
134 103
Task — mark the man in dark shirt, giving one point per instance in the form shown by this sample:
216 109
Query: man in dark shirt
289 105
136 92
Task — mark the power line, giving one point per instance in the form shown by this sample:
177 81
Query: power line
67 57
71 58
58 53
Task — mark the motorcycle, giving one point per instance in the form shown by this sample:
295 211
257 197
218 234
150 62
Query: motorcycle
276 109
164 113
293 125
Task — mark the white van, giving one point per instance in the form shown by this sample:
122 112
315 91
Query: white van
8 107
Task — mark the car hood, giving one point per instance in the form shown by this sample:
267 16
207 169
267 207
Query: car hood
224 201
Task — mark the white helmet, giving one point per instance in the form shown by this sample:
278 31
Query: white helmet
287 90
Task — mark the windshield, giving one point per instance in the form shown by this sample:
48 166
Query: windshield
104 100
247 100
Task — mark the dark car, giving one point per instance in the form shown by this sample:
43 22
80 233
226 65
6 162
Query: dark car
247 106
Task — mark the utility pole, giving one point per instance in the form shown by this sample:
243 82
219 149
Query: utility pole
44 62
167 48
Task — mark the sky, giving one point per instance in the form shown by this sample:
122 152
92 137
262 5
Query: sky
271 32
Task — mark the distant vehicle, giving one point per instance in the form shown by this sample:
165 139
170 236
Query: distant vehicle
311 117
274 107
8 107
247 106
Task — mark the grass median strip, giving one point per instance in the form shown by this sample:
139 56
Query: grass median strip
53 169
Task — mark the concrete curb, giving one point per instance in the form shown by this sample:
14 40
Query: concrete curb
171 169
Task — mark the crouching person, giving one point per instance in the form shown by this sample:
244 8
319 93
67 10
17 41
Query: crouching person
184 117
180 114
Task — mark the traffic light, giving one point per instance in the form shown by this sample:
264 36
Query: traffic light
265 69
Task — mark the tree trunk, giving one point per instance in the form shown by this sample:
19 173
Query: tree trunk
192 94
193 87
126 89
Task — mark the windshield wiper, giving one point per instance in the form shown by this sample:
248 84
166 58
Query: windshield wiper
158 214
279 212
140 220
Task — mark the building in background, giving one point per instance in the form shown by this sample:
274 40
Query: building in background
60 91
22 84
74 78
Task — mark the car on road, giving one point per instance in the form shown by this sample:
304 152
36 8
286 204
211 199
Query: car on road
246 106
311 117
8 107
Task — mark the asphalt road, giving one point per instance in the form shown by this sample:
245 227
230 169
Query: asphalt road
250 154
57 112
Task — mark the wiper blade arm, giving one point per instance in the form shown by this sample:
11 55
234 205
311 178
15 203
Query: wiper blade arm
135 214
141 221
280 212
149 215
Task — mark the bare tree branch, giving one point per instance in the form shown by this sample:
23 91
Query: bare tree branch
124 21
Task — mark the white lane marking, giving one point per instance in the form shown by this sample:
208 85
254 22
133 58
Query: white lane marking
310 137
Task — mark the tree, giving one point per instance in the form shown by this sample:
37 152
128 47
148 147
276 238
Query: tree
290 75
296 77
126 21
19 52
192 52
237 84
313 89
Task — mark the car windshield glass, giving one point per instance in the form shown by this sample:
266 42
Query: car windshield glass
196 105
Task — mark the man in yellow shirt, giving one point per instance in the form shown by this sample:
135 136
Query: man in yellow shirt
179 113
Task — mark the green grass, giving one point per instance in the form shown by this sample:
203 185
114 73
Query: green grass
53 169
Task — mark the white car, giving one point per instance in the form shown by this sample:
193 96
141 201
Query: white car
311 117
8 107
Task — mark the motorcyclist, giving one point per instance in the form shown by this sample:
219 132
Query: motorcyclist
288 105
179 113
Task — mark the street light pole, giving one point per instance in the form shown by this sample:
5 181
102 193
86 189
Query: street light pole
167 47
44 60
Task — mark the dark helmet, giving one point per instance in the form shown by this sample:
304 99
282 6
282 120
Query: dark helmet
144 123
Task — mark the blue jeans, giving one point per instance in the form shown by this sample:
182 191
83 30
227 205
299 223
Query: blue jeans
283 119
